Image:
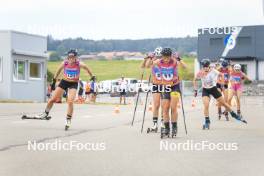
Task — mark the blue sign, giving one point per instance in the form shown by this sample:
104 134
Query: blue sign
230 41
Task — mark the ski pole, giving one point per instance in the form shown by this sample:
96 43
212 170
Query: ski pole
135 109
183 112
146 102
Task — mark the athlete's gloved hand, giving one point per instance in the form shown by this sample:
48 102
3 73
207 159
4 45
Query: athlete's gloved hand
195 93
92 78
53 84
177 56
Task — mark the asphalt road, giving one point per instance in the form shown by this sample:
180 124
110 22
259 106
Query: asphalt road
115 148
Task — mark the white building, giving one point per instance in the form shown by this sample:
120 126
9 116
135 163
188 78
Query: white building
23 66
239 44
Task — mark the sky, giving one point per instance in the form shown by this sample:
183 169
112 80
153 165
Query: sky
126 19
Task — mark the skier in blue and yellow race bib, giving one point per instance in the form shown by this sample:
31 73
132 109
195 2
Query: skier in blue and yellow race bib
166 74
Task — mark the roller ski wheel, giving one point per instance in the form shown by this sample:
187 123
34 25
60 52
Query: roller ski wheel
149 130
238 118
153 129
174 132
164 133
25 117
242 120
219 116
67 127
206 126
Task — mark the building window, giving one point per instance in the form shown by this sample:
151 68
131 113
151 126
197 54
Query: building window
216 41
19 70
35 70
244 40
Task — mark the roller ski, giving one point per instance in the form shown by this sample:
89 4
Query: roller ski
67 124
239 113
226 115
43 116
238 117
206 125
219 114
164 132
174 131
153 129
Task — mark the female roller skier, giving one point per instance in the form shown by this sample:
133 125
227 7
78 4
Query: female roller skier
237 76
166 74
156 88
209 78
222 85
71 68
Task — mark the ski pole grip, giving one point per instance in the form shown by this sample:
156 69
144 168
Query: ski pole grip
195 93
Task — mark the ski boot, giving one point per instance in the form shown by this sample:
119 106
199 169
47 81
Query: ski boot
164 132
226 115
237 117
67 124
154 128
43 116
206 125
219 114
161 123
174 130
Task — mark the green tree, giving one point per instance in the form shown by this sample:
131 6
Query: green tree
50 76
54 56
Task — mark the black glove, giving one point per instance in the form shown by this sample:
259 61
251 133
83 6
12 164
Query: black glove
92 78
177 56
150 55
195 93
53 84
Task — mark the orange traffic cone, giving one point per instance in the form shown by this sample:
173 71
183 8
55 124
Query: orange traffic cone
150 106
117 109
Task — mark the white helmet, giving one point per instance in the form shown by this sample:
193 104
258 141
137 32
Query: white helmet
157 51
237 67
